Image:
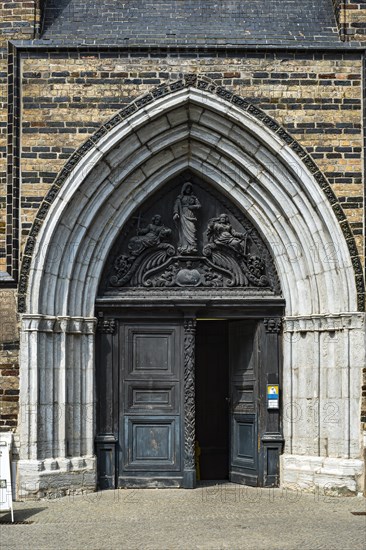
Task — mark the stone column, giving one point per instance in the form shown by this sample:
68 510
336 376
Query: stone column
323 361
56 406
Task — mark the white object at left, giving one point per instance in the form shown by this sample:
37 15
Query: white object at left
6 499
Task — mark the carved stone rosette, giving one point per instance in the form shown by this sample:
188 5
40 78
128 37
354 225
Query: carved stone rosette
189 394
106 326
273 325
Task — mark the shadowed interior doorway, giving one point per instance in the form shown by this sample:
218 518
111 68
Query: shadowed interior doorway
212 392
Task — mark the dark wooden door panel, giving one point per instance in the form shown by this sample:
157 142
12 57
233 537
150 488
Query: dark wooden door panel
152 444
151 395
270 418
244 402
140 412
106 464
150 351
244 465
150 423
243 397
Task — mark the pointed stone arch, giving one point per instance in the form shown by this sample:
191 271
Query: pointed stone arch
236 120
247 156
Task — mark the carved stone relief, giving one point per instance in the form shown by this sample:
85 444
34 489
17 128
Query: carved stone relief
184 215
106 326
182 245
273 325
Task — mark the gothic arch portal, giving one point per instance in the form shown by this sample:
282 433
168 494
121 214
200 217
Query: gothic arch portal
187 125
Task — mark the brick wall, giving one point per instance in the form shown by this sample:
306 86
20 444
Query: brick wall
3 134
337 5
353 19
19 20
9 369
316 97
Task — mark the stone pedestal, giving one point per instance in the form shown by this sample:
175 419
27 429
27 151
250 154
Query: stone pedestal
323 361
56 406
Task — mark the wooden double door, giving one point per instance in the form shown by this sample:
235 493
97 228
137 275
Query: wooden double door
185 398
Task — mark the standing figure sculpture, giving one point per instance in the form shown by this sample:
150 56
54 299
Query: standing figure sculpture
184 216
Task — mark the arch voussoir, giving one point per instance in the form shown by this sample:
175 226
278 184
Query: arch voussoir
239 151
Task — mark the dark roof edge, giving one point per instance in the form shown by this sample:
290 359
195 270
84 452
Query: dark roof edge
48 45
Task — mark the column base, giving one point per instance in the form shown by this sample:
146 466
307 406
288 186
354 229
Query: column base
189 479
55 477
331 476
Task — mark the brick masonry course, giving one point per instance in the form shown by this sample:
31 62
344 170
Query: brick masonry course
18 20
9 368
353 19
317 100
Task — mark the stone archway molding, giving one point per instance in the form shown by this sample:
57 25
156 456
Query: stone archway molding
86 157
246 155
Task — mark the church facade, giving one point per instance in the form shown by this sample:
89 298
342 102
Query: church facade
182 244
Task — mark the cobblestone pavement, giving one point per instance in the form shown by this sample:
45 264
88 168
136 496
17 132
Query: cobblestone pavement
213 517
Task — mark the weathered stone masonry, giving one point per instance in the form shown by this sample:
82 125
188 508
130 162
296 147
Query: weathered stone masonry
53 99
318 379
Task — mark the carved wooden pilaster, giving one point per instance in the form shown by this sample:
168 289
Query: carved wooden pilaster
270 419
189 403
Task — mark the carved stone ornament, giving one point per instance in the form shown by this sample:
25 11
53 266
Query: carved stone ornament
273 325
184 215
106 326
186 247
146 251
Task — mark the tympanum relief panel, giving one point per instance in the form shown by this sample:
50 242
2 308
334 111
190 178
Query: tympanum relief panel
190 236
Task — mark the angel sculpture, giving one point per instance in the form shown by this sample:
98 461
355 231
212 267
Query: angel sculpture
151 235
227 248
221 232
